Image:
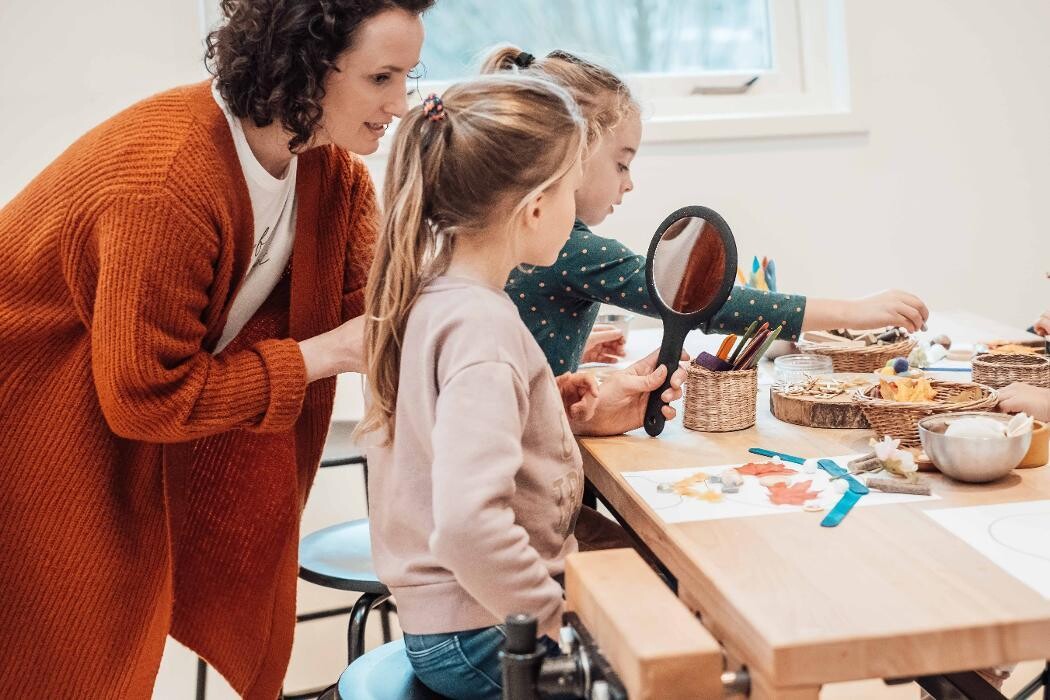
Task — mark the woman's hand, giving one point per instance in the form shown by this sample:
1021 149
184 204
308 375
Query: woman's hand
1042 325
341 349
1033 400
605 344
622 397
579 395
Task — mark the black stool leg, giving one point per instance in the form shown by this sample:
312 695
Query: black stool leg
202 677
384 619
355 634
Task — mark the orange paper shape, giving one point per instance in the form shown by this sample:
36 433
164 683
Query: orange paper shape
795 495
765 469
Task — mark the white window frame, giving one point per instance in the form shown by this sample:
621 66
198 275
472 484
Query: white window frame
805 92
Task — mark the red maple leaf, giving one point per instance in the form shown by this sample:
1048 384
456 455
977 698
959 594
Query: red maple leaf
765 469
795 495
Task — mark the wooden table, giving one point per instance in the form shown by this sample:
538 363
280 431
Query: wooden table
887 594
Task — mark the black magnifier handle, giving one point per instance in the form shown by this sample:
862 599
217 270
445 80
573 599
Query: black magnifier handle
670 355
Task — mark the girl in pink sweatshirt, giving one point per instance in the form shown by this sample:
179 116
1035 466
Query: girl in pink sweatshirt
475 480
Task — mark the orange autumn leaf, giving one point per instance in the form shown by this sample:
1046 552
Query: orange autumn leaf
765 469
796 495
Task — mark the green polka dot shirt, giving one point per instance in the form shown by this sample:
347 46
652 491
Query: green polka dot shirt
560 303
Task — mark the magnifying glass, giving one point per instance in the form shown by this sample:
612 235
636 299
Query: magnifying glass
690 272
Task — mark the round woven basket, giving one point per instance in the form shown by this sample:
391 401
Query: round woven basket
900 419
997 371
869 359
718 402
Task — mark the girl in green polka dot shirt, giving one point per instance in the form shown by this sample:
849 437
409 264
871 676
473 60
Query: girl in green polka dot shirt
559 304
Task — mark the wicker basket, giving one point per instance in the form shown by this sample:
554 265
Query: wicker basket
900 420
868 359
718 402
997 371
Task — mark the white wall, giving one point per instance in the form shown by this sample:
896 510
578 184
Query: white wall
942 196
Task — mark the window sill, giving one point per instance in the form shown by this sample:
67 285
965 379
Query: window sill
751 126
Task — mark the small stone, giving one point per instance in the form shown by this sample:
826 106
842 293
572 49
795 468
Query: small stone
839 485
730 489
811 466
944 341
731 478
813 506
665 488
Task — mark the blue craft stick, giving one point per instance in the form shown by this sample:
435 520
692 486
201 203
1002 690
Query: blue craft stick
771 275
946 369
771 453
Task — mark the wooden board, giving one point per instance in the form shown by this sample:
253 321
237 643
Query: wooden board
813 412
655 644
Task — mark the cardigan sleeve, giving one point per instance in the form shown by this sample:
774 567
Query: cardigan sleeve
360 247
155 381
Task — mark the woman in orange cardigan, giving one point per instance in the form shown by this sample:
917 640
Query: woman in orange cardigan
176 296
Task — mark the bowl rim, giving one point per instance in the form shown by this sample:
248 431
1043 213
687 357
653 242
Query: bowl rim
1003 418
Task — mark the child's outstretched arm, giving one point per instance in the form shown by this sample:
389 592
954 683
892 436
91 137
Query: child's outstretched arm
1018 398
476 438
890 308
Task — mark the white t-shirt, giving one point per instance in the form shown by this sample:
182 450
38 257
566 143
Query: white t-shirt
273 211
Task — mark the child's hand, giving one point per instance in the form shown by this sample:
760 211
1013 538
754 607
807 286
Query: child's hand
622 397
605 344
579 395
890 308
1032 400
1042 326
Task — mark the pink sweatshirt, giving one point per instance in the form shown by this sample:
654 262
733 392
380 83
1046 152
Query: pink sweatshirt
473 504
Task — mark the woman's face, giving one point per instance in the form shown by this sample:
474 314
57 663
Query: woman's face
607 171
370 86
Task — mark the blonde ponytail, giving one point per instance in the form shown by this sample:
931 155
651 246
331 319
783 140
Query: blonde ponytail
603 97
499 140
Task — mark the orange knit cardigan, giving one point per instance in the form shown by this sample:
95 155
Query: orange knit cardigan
147 486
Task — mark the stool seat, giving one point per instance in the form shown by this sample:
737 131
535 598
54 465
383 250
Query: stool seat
383 674
339 446
340 557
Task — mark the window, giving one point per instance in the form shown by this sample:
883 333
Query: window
630 36
701 68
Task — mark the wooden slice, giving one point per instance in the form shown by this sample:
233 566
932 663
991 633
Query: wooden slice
836 412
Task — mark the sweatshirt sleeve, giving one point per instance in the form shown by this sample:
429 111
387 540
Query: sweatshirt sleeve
154 380
477 433
746 304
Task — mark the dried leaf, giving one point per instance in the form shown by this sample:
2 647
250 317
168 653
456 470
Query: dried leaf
765 469
966 395
907 390
686 487
795 495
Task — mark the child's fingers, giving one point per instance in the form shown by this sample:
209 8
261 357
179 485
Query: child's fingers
669 413
915 319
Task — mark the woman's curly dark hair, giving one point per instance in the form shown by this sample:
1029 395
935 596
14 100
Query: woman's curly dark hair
271 57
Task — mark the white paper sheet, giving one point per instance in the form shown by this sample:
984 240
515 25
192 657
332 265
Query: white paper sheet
1015 536
752 499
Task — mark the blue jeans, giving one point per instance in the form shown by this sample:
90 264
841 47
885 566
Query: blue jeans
462 665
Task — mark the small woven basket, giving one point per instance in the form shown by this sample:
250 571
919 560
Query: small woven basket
900 419
869 359
719 402
997 371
